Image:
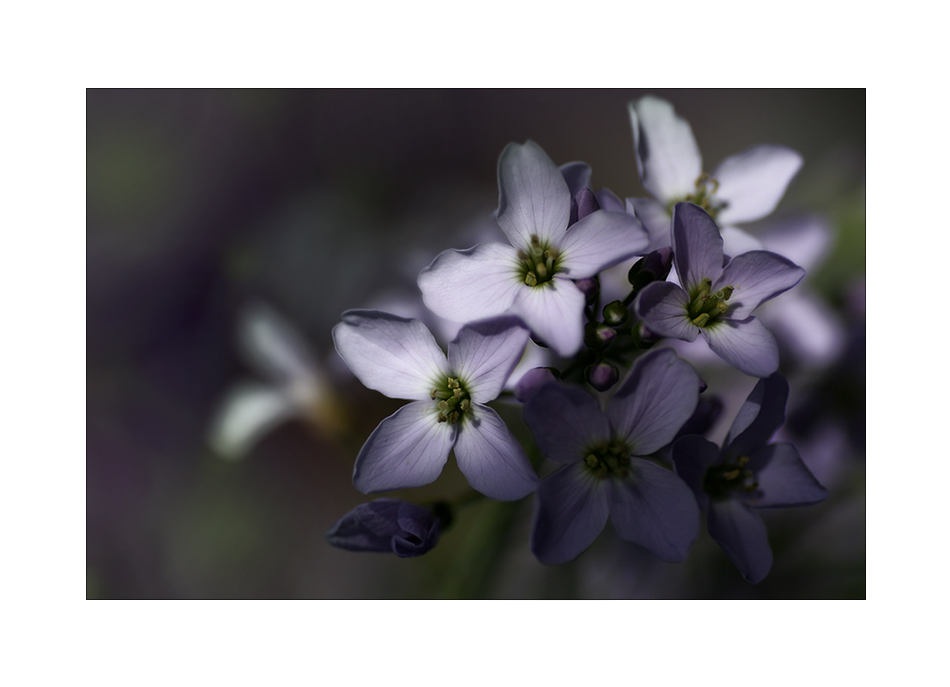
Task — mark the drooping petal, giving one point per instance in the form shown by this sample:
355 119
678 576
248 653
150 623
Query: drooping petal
554 312
745 344
533 198
469 285
662 306
570 511
654 508
565 421
408 449
393 355
667 155
484 354
655 218
762 413
599 241
247 413
658 397
697 246
783 478
491 458
741 533
692 456
577 176
754 181
387 526
757 276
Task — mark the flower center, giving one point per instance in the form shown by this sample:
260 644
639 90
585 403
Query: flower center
730 476
608 458
453 401
705 307
704 196
539 263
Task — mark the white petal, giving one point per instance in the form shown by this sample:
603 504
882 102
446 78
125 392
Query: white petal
667 155
485 353
600 240
554 313
271 345
754 181
736 242
247 413
746 345
491 459
533 197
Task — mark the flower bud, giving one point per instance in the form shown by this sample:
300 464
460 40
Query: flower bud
590 287
602 376
586 203
387 526
597 336
615 313
653 267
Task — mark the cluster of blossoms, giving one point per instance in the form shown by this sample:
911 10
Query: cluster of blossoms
614 408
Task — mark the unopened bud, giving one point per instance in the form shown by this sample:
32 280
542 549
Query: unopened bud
597 336
615 313
602 376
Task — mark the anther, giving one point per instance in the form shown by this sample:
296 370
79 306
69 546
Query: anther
701 320
530 279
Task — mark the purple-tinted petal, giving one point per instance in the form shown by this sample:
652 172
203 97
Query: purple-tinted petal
654 508
667 155
806 241
408 449
655 218
531 381
387 525
565 421
736 242
599 241
468 285
393 355
762 413
692 456
533 198
491 459
554 312
608 200
570 511
577 176
754 181
485 353
585 204
658 397
741 533
662 306
757 276
745 344
697 246
783 478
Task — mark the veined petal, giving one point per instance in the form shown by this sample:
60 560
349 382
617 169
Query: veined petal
692 456
760 416
697 246
658 397
654 508
554 312
485 353
408 449
599 241
754 181
570 511
469 285
668 158
533 197
745 344
654 218
741 533
565 421
247 413
756 276
577 176
662 306
393 355
491 459
783 478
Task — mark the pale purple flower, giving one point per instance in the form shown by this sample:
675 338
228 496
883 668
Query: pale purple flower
717 299
747 474
387 526
532 277
399 358
603 470
745 187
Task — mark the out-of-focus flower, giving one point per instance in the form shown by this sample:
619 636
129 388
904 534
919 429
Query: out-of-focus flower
532 277
748 473
745 187
387 526
602 474
399 358
717 300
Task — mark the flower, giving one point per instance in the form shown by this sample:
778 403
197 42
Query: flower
532 277
602 474
387 525
745 187
747 474
717 299
400 358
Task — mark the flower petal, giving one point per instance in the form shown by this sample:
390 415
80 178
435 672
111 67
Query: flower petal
757 276
484 354
248 412
393 355
741 533
271 345
754 181
692 456
408 449
469 285
662 306
609 201
745 344
491 458
577 176
667 155
697 246
533 198
658 397
565 421
599 241
736 242
387 525
554 312
570 511
762 413
655 218
783 478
